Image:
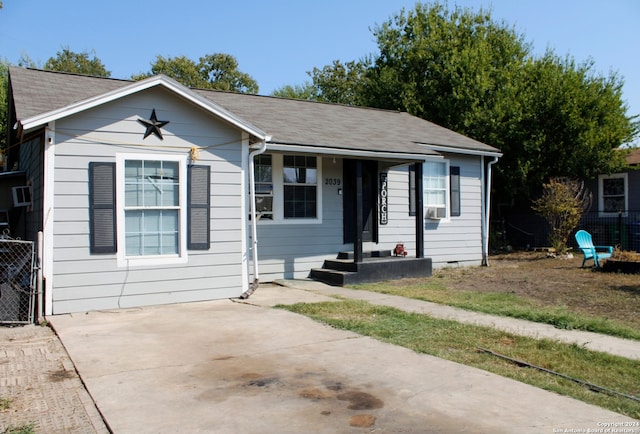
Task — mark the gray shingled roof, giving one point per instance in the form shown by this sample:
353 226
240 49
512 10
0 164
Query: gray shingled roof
36 92
288 121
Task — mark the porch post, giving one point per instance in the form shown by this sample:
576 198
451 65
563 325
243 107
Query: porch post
357 235
419 212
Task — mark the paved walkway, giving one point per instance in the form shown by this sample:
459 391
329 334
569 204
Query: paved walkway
593 341
39 385
234 366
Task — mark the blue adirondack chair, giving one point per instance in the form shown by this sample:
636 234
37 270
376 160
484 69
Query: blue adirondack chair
585 243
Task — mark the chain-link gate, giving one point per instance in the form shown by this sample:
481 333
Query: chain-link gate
17 281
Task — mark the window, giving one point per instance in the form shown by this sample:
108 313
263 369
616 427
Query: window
149 210
613 193
21 195
151 207
287 188
300 187
435 189
264 186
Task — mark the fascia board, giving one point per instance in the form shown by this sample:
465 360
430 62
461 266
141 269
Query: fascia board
464 151
321 150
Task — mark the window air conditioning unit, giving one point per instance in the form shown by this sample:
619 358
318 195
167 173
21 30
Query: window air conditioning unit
21 196
436 212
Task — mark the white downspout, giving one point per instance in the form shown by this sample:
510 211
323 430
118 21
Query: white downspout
487 212
254 220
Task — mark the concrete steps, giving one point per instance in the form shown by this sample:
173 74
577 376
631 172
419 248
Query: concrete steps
376 266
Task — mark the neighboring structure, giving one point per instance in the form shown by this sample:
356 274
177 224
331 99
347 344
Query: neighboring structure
143 190
614 217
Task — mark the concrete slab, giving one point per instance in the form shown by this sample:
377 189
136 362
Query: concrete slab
230 367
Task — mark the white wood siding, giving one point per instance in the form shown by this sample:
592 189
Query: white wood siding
457 240
82 281
291 250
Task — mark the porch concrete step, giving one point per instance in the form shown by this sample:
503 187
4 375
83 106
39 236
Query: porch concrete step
332 277
371 254
341 272
340 265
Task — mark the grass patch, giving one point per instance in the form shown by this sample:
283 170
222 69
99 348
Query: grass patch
22 429
5 404
460 342
505 304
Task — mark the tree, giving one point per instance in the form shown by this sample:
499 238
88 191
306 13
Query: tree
305 91
341 83
180 68
77 63
562 204
550 116
222 69
213 71
570 123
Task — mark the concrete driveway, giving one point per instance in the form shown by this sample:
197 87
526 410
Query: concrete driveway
243 367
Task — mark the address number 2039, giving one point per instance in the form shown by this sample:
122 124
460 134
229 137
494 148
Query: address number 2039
332 181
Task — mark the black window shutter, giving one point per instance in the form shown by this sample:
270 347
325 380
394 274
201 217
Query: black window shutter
454 188
412 190
198 208
102 207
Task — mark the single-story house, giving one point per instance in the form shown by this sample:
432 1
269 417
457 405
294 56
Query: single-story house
150 192
614 217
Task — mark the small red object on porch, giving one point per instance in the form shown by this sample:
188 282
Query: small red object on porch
399 250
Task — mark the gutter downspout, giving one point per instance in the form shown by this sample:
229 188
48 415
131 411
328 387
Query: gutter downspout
487 212
254 221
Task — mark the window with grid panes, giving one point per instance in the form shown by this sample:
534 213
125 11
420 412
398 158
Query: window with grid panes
263 171
151 207
300 186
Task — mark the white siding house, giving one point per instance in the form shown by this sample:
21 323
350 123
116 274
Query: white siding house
143 190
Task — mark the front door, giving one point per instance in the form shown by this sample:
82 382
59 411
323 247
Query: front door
369 200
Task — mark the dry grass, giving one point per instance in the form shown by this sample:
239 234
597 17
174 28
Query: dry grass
549 282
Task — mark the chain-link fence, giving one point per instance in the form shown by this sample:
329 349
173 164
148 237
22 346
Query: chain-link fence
17 281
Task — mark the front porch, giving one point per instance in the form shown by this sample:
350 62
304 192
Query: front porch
375 266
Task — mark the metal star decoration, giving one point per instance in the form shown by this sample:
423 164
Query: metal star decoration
153 125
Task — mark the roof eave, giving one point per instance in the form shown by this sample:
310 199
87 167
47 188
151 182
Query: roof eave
348 152
465 151
42 119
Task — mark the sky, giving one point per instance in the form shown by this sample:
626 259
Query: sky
277 42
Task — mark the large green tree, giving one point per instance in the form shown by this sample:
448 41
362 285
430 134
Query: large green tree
77 63
461 69
565 120
342 83
213 71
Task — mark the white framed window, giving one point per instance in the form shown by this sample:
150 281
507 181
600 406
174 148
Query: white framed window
151 197
436 189
288 188
21 195
612 194
263 168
